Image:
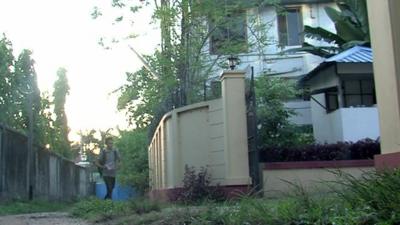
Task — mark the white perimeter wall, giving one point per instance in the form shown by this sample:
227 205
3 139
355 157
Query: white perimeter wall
344 124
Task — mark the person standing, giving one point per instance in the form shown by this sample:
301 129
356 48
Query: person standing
108 161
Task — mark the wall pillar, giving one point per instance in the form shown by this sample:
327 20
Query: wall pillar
384 16
235 128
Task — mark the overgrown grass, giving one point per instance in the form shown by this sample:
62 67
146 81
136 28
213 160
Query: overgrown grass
35 206
372 200
94 209
375 193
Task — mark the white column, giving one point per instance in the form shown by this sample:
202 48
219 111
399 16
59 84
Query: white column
235 128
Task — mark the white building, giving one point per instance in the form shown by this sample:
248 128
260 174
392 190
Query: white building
283 31
343 101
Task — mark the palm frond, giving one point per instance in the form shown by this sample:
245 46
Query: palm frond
351 44
322 51
320 34
349 32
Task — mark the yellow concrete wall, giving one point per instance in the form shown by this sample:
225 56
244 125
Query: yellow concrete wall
277 182
192 136
384 17
210 134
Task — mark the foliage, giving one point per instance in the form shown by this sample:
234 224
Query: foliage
376 193
174 76
7 77
197 187
143 206
93 140
45 121
146 93
372 199
134 165
21 100
35 206
351 23
26 93
18 89
363 149
275 128
99 210
94 209
61 90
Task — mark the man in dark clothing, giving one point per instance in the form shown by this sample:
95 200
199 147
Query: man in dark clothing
108 161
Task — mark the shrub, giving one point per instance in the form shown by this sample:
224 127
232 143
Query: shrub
273 117
363 149
376 193
134 163
16 206
197 186
99 210
143 205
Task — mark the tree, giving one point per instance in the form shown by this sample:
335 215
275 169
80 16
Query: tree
61 90
21 100
26 94
20 94
134 165
184 63
352 28
7 62
45 122
145 94
273 118
92 141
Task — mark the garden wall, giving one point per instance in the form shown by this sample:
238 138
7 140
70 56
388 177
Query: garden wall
41 174
281 178
210 134
191 135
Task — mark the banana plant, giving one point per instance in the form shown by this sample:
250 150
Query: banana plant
351 24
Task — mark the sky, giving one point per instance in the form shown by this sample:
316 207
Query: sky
62 33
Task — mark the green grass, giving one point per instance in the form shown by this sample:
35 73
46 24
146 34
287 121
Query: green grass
96 210
35 206
372 200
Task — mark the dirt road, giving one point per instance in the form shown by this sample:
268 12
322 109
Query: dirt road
56 218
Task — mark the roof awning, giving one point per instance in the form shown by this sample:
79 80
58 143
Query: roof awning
356 54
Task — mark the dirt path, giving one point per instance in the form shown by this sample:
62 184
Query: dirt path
56 218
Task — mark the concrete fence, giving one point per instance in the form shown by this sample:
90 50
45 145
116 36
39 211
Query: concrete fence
282 178
45 175
211 134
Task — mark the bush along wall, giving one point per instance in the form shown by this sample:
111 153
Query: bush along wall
363 149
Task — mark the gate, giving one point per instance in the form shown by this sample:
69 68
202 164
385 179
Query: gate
252 134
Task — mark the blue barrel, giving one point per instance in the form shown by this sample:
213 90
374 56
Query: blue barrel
120 192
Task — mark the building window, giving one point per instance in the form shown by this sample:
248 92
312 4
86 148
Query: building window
358 93
229 35
290 27
331 99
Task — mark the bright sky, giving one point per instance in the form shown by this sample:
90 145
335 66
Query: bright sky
61 33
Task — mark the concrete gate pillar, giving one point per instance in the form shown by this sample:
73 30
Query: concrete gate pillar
235 128
384 20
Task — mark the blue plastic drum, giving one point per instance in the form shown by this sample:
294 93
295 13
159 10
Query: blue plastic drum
120 193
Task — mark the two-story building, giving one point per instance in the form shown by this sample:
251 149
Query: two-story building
283 28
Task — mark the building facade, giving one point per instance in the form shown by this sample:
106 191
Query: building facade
282 29
343 99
